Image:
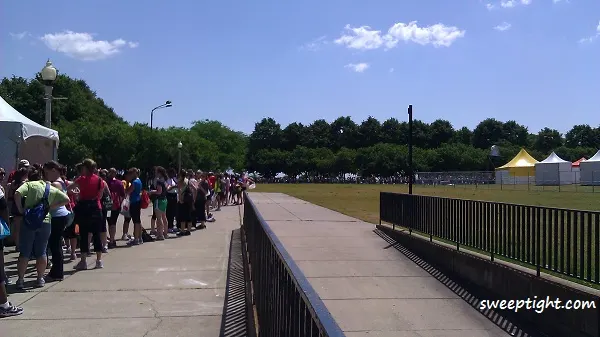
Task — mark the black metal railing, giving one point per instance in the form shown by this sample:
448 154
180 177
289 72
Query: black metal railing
563 241
286 304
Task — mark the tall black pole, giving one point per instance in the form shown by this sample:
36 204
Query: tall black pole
410 150
152 118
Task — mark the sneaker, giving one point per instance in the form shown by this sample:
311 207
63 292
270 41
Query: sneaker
182 233
202 226
105 249
99 264
153 232
160 238
112 244
133 242
20 284
10 311
82 265
187 233
125 237
50 278
40 282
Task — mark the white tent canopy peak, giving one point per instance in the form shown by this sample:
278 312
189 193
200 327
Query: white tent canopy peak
553 158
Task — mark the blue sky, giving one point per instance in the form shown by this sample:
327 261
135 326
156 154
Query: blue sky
240 61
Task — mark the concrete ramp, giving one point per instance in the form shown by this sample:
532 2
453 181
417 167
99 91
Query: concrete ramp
370 288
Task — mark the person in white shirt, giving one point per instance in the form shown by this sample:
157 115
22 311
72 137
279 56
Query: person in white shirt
171 200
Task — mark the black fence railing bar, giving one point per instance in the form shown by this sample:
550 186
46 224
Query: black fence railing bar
286 304
563 241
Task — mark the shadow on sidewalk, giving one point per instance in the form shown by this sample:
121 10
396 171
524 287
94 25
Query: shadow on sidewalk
468 293
234 321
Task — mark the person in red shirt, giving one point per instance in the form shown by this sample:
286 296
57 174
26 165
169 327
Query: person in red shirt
22 164
88 211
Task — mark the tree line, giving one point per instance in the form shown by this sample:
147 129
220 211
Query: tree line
90 128
375 148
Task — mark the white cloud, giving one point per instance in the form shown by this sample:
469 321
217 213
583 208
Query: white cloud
315 44
357 67
19 36
366 38
591 38
83 46
503 26
510 3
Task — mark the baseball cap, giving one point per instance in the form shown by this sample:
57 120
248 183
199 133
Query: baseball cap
24 163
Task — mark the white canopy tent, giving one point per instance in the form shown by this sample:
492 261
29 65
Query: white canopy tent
590 170
22 138
553 171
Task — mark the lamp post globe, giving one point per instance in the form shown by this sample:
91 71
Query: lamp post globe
49 72
179 145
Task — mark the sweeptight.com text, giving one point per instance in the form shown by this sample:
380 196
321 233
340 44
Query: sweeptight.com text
536 304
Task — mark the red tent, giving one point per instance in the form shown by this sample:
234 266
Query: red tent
576 164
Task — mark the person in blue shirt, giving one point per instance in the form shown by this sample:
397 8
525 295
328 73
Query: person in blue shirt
135 205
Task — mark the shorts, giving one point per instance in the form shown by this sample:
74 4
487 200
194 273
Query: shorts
114 215
160 205
35 241
135 211
184 213
221 195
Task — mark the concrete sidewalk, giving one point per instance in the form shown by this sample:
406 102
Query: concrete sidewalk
170 288
370 288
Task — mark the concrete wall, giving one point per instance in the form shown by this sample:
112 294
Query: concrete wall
498 281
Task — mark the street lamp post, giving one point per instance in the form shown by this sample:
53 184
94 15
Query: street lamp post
167 104
48 76
179 146
410 150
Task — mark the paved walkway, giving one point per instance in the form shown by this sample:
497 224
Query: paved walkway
172 288
369 288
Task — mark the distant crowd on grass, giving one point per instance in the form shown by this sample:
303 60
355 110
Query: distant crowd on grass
421 178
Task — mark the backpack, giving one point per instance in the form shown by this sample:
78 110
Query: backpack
145 200
34 217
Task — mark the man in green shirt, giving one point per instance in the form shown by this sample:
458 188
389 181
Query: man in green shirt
36 240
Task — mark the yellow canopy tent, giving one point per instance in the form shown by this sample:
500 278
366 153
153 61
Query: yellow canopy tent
522 165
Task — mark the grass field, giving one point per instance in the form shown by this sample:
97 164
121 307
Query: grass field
362 201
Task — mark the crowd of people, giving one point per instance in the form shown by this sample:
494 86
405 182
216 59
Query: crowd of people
52 217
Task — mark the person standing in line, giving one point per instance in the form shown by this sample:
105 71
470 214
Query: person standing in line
34 236
117 194
126 218
103 173
88 212
7 309
185 206
135 206
160 203
171 200
61 218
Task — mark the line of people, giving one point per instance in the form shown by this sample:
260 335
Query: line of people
87 209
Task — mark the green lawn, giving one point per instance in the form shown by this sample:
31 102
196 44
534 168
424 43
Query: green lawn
362 201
